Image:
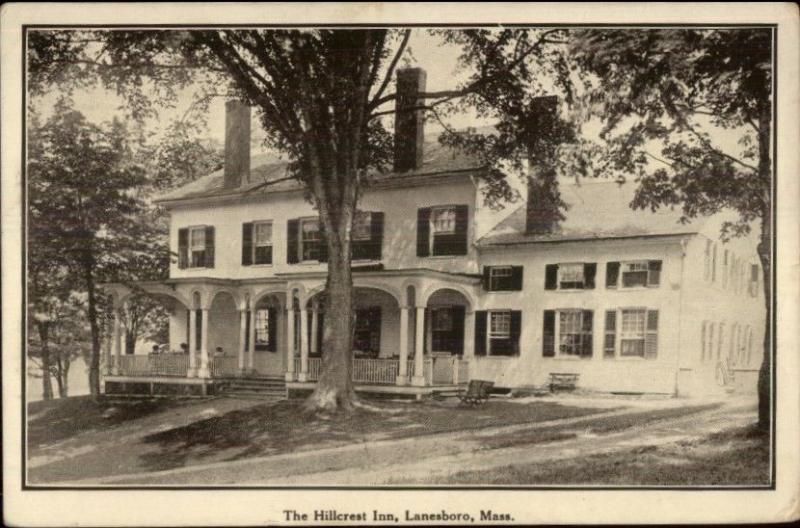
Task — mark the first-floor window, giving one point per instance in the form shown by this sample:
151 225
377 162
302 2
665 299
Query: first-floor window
367 334
636 331
575 333
632 333
500 334
262 328
497 332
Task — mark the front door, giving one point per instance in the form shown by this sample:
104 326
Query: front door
447 330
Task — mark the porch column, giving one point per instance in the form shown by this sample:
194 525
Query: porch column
251 350
402 375
303 375
314 325
290 342
469 343
192 372
419 361
117 344
203 371
242 337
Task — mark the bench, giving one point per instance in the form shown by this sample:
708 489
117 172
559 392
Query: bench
563 380
477 392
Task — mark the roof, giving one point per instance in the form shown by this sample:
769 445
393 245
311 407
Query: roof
268 175
597 210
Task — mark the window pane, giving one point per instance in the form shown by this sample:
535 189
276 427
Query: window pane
262 326
632 347
263 234
444 220
633 321
499 277
570 276
442 320
362 229
570 324
198 238
500 325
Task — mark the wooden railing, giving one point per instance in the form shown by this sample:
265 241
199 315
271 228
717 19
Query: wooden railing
169 364
225 367
375 370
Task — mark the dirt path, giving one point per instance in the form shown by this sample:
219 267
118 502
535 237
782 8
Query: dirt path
437 456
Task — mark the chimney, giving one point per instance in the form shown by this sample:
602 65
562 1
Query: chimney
409 121
543 211
237 144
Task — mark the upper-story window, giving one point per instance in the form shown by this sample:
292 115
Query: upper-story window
257 243
633 274
196 247
502 278
362 226
442 230
310 239
367 235
570 276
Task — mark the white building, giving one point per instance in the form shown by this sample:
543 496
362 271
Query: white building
630 301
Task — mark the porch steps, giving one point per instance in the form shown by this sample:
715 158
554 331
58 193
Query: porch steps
256 388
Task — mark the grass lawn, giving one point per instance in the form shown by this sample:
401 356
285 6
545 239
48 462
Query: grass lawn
734 457
256 430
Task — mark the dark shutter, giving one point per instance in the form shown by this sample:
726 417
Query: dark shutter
198 328
549 334
651 336
376 239
462 229
589 272
516 278
487 278
423 231
551 277
272 325
516 330
612 274
610 339
292 231
183 248
457 335
209 256
586 334
323 243
480 332
247 244
654 277
247 331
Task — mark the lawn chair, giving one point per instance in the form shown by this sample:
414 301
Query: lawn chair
477 392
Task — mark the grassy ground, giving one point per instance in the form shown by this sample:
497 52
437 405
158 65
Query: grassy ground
256 430
734 457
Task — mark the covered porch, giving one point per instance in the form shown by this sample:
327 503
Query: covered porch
272 329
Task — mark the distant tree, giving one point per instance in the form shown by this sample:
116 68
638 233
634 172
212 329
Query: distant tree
668 90
84 212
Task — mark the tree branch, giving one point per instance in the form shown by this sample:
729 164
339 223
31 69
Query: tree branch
390 71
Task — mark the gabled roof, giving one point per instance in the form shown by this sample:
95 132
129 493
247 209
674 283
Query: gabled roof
269 175
597 210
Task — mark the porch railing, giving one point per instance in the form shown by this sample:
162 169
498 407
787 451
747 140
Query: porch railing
370 370
154 365
225 367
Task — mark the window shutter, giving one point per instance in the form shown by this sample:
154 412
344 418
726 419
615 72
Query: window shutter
292 231
480 332
515 330
516 277
589 272
610 341
247 331
586 333
272 324
376 239
612 274
462 229
183 248
247 244
423 231
209 256
549 334
551 277
487 283
457 335
323 243
651 337
654 277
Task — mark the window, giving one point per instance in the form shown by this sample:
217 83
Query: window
638 333
367 335
502 278
753 286
362 226
442 320
442 230
500 325
447 329
262 243
570 276
610 337
497 332
197 246
575 333
310 239
634 274
262 328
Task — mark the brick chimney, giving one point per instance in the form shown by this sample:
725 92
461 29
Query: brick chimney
237 144
409 122
543 212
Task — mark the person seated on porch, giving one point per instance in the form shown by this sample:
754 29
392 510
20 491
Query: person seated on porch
156 350
219 352
184 348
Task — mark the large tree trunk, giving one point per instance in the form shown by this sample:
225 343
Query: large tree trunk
130 341
94 360
47 385
334 390
59 376
765 256
63 387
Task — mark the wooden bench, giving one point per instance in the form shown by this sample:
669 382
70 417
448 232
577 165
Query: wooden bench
477 392
563 381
